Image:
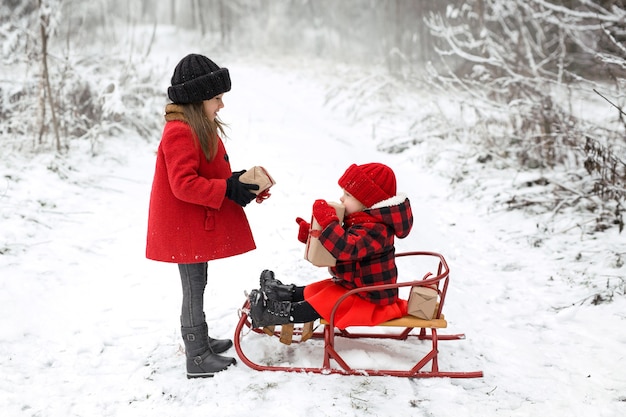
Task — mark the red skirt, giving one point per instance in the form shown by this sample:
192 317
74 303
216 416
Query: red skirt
354 310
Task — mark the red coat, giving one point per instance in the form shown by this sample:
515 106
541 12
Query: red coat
190 220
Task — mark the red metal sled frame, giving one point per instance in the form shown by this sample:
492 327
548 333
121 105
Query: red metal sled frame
427 331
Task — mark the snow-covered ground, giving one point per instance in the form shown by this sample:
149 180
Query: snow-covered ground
91 328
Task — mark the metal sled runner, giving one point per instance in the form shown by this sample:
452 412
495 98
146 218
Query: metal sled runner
409 329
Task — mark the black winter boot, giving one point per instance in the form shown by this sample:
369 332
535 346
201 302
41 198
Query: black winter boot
220 345
268 312
274 289
202 362
217 345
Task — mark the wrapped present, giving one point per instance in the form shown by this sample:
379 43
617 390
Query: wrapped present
315 252
422 302
258 175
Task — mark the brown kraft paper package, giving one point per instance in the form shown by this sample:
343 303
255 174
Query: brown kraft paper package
315 252
257 175
422 302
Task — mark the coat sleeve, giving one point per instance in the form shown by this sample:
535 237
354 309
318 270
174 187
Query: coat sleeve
182 159
354 243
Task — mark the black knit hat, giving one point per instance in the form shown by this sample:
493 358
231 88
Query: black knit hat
197 78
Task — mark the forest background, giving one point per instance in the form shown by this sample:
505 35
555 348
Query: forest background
516 70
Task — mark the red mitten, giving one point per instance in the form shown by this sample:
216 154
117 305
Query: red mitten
323 213
303 232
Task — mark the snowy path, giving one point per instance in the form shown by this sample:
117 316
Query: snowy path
91 328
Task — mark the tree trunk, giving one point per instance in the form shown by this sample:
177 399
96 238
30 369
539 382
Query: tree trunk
46 77
200 14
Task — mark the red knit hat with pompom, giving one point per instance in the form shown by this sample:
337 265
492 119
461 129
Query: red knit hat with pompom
369 183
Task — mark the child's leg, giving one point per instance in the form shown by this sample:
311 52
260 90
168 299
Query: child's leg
194 279
303 312
267 313
202 351
298 294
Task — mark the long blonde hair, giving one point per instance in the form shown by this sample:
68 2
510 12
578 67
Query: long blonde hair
205 131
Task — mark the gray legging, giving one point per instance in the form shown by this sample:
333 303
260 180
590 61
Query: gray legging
194 279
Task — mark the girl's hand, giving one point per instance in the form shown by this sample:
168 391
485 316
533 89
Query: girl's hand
238 191
323 213
303 232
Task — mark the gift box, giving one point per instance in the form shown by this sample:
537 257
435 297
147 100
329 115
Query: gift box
315 252
422 302
257 175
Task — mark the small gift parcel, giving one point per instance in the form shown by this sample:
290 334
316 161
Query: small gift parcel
259 176
422 302
315 252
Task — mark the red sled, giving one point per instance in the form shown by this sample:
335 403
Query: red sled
409 329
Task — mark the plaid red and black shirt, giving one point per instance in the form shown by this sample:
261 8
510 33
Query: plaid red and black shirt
364 247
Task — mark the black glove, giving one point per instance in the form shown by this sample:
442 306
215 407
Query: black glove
238 191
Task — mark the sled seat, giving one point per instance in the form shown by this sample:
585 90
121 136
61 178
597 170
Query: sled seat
334 362
410 321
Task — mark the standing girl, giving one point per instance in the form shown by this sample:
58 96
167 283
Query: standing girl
196 202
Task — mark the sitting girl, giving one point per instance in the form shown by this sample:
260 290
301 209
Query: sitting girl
364 248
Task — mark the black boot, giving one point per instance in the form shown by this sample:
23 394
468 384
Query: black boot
220 345
268 312
217 345
274 289
202 362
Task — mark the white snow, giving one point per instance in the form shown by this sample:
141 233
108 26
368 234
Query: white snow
91 328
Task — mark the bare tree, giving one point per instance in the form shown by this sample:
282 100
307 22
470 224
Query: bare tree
44 28
519 63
